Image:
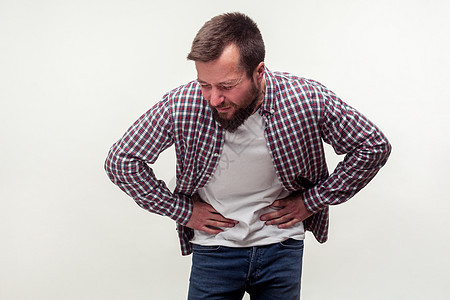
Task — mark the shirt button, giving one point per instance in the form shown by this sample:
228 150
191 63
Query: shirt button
216 154
272 111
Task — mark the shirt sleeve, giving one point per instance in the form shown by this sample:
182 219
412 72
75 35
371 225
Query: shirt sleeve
127 164
365 147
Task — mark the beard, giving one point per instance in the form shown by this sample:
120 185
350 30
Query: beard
240 115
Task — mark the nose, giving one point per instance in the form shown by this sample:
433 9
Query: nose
216 97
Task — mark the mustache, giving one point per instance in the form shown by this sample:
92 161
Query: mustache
223 105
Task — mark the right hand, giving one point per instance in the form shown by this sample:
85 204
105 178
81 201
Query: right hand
205 218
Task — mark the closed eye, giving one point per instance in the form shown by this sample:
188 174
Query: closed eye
227 87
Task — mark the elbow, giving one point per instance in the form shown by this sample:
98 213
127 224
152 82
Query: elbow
375 153
384 151
110 165
387 149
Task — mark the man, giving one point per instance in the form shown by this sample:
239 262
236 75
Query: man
251 170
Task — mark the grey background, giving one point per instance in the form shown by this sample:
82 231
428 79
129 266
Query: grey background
74 75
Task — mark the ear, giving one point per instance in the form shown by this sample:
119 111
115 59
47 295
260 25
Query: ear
259 72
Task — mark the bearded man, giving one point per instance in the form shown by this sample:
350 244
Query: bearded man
251 174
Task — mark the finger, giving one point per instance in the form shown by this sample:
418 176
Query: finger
211 230
214 226
270 216
288 224
218 223
276 204
218 217
274 215
282 219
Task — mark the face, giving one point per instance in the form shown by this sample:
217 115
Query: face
232 95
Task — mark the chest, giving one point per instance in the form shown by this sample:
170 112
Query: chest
295 153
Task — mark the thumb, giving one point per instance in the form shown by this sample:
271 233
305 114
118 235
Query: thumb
277 204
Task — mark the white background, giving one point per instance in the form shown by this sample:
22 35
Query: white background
74 75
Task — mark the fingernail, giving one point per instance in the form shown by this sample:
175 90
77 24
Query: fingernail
263 218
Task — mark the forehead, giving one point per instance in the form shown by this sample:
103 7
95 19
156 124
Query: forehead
224 69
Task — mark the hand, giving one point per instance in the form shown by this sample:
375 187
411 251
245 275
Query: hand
205 218
291 210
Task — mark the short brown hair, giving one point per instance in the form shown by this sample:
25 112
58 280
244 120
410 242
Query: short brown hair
226 29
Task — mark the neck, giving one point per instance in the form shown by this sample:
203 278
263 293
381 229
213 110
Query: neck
261 95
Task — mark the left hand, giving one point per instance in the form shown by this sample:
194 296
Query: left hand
291 210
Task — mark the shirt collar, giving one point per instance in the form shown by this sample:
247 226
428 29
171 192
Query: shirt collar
268 105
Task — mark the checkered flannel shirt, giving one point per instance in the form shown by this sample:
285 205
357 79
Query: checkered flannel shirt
300 115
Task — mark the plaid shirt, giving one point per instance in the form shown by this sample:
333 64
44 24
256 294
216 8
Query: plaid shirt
300 114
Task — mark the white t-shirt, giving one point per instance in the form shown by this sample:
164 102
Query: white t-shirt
243 185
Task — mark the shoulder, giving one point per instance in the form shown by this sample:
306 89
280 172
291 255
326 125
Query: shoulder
187 108
183 100
290 85
295 93
189 93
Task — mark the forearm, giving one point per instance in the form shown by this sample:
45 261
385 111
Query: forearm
127 165
365 147
137 179
351 175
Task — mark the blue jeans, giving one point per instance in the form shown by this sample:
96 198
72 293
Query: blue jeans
265 272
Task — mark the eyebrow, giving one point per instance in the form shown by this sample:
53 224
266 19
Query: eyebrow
229 82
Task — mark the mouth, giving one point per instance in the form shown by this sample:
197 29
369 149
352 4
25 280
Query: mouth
223 110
